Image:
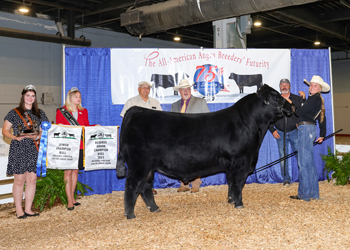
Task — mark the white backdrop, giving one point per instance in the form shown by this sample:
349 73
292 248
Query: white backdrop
164 68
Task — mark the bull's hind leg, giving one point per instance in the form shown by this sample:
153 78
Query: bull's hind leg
131 192
148 198
147 194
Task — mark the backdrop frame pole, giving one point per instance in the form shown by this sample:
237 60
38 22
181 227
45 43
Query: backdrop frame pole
63 75
331 84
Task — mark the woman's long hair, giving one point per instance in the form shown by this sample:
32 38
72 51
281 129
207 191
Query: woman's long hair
22 108
323 110
68 102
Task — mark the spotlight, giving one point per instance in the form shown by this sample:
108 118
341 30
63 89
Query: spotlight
177 39
257 23
317 42
23 9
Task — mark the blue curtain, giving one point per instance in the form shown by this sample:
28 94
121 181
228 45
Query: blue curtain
88 69
306 63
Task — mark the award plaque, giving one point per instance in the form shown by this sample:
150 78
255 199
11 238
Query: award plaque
27 132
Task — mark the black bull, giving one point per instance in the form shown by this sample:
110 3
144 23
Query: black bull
185 146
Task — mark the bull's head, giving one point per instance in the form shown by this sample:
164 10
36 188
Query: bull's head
272 97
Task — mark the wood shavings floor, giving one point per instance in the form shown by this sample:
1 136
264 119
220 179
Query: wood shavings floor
204 220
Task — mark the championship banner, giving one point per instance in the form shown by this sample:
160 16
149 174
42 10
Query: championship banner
63 147
219 75
101 147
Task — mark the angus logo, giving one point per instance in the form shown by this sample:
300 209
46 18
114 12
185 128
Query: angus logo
64 135
208 80
99 135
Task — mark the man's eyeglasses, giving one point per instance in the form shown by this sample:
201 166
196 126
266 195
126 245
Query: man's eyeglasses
144 87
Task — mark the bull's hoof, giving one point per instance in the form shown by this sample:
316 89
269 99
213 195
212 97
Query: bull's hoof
157 211
239 207
129 217
231 201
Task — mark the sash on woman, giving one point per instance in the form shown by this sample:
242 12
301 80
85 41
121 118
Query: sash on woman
72 121
29 125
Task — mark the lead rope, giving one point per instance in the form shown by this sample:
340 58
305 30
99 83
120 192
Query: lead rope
290 155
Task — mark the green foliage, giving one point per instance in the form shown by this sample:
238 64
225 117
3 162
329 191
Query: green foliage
53 186
339 167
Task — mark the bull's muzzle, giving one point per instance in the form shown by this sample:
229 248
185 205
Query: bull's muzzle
288 109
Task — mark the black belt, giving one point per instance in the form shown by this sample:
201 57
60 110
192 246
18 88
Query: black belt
305 123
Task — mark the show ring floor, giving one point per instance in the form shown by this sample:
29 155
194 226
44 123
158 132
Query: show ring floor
204 220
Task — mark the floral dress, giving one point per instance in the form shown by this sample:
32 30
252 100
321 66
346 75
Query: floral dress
23 154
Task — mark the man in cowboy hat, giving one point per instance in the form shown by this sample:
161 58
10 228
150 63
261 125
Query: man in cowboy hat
288 124
142 100
189 104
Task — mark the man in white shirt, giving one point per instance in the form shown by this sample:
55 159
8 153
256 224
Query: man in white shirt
142 100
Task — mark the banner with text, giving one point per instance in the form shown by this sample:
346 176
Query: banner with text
101 145
219 75
63 147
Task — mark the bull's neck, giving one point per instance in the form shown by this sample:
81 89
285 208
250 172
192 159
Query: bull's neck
261 115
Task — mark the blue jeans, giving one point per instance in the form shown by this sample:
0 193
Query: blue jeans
308 178
292 138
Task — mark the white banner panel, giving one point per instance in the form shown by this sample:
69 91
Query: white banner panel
63 147
219 75
101 147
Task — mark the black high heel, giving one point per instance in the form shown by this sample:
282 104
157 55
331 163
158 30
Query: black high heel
70 208
77 204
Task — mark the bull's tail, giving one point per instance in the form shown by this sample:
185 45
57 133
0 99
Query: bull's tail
121 167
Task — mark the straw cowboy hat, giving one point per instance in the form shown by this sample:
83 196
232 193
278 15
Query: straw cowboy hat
183 84
317 79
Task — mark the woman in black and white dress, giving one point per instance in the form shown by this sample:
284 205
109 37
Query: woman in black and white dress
23 153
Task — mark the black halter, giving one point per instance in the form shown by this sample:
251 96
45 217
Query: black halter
268 103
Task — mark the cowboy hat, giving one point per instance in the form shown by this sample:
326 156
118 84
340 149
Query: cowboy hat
183 84
317 79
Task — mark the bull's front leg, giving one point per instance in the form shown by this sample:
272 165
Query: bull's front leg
230 195
237 187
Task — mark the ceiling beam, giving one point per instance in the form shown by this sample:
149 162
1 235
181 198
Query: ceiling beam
42 37
111 7
59 6
98 23
310 20
335 15
297 36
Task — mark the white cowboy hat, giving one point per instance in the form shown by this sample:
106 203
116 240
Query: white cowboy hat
183 84
145 83
317 79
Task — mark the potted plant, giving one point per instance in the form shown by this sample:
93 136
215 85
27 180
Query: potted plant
339 167
53 187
